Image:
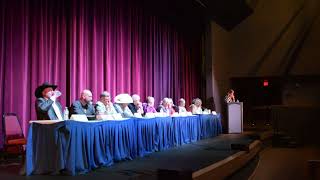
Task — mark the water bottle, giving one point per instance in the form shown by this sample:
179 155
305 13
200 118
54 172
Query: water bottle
66 113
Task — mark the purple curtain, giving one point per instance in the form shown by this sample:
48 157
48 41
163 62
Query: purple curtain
99 45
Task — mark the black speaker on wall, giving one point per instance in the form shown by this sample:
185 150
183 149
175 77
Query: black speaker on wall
226 13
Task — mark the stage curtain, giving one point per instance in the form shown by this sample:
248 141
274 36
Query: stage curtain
111 45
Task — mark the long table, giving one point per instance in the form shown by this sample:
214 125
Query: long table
74 147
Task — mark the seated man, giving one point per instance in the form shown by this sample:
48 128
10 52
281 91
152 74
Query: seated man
47 106
121 105
84 104
149 106
105 106
136 106
164 106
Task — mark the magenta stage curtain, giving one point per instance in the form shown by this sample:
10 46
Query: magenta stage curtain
99 45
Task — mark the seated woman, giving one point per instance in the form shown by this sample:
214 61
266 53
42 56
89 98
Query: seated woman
181 105
196 106
121 105
105 106
149 106
171 107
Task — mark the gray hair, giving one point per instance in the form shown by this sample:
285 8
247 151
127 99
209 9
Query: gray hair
181 100
150 98
105 94
196 100
165 100
135 97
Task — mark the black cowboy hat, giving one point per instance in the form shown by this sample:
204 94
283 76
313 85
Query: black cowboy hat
38 92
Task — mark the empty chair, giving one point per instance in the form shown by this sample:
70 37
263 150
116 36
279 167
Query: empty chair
13 135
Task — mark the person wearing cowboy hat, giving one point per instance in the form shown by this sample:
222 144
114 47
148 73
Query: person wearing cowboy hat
84 104
47 106
121 105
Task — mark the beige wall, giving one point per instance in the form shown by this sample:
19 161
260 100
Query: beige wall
237 53
308 60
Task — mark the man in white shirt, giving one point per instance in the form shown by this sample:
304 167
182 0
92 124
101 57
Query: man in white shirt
104 105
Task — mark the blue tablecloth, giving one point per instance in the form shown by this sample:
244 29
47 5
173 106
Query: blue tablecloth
154 134
210 125
78 147
186 129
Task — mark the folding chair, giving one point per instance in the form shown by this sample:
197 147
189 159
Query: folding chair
14 139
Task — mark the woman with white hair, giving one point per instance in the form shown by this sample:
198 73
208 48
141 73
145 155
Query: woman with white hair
196 106
149 106
181 105
121 105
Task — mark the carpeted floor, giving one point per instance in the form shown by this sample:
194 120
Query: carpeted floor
285 163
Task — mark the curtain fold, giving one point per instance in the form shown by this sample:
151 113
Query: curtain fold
97 45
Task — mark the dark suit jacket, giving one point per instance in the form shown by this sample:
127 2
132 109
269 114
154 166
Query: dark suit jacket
78 108
132 108
45 110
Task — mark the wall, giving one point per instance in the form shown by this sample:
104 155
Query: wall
260 45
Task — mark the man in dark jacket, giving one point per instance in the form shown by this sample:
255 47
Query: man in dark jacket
47 106
84 104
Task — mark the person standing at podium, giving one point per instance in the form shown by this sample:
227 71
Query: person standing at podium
230 97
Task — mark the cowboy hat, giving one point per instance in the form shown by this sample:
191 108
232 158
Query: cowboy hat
38 91
123 98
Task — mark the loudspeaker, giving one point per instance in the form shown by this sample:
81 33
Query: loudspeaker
226 13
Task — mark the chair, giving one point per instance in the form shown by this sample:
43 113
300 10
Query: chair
14 139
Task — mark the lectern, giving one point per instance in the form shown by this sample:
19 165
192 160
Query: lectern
235 117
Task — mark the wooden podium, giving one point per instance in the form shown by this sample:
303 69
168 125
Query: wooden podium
235 117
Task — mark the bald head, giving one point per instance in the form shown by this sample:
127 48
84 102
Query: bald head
86 96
